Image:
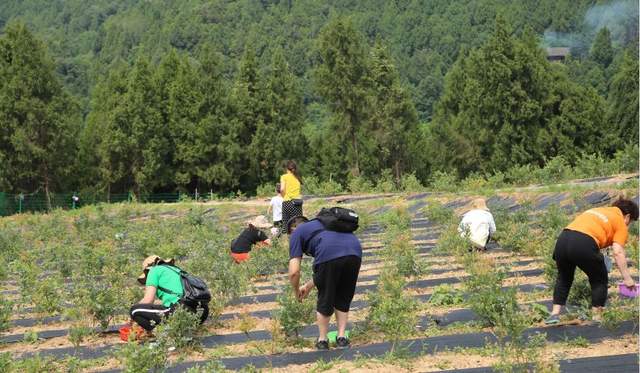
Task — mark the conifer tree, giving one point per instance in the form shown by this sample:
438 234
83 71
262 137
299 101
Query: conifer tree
622 116
40 120
601 50
150 165
342 80
279 135
248 101
106 141
216 142
394 120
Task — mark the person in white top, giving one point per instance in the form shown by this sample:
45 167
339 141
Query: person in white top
478 224
276 206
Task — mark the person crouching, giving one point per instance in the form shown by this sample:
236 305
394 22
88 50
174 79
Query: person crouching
162 294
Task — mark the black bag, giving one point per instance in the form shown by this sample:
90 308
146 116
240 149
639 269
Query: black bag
338 219
195 291
297 202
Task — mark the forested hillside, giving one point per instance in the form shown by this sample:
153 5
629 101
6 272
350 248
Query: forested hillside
163 95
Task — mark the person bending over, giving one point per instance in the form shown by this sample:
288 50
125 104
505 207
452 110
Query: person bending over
163 290
251 235
336 265
580 244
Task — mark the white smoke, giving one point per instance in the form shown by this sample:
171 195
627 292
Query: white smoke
620 17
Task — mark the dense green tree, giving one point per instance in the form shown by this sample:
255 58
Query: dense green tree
505 105
149 133
342 80
394 120
601 50
216 149
105 142
622 117
40 120
249 103
278 135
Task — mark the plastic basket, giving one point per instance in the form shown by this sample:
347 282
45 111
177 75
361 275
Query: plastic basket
625 291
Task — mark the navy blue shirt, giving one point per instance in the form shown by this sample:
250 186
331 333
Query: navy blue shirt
324 246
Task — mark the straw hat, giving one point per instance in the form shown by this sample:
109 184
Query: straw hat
479 204
259 221
150 261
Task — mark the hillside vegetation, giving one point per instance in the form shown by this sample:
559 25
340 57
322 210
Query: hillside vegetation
150 96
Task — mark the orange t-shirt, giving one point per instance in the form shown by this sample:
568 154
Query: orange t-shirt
605 224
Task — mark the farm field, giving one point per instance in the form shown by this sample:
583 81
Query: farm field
423 301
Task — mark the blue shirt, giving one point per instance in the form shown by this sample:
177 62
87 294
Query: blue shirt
324 246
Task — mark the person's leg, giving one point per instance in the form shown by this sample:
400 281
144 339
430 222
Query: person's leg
323 279
566 271
342 318
148 315
592 263
323 325
345 290
286 215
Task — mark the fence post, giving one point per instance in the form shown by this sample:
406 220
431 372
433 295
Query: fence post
211 195
196 195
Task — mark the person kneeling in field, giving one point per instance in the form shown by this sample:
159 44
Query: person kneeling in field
163 293
580 244
251 235
336 265
477 224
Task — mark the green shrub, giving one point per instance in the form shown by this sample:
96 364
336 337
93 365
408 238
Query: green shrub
410 183
592 165
136 357
179 330
437 213
443 181
266 190
521 175
451 242
6 309
626 159
359 184
391 312
385 183
446 295
292 314
556 169
396 219
77 334
402 254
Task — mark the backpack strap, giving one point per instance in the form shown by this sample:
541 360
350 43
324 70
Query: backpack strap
176 270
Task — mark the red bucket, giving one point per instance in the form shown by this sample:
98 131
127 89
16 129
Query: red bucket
124 332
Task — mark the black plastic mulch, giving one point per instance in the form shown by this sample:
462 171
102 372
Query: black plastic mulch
415 346
627 363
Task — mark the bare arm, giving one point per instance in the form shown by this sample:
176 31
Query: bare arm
149 295
294 275
621 262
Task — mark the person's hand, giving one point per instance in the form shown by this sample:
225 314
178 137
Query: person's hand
629 283
304 291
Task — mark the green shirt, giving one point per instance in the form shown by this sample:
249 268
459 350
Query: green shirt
169 278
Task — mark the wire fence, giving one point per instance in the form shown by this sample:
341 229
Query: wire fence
38 202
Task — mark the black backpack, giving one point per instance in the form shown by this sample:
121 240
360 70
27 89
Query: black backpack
336 219
195 291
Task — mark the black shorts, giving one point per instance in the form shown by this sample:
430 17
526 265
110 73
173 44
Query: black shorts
336 283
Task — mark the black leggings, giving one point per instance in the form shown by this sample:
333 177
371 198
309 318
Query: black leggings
576 249
148 316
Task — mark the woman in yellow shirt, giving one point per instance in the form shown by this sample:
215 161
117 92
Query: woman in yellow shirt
290 186
579 245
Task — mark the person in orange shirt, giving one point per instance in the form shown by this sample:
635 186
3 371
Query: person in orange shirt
579 245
